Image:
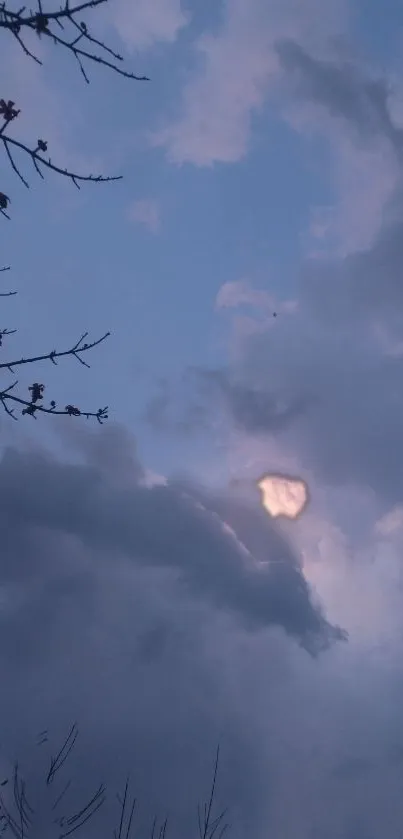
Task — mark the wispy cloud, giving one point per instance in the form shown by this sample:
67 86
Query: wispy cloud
239 293
348 93
251 310
146 212
143 23
235 68
355 112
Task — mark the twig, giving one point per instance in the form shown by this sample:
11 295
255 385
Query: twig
41 21
37 158
208 828
74 351
84 46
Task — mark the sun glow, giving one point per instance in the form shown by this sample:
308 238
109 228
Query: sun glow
283 496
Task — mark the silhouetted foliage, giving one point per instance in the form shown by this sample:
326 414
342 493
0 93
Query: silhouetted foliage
65 29
17 816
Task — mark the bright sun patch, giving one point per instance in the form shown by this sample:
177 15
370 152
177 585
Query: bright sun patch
283 496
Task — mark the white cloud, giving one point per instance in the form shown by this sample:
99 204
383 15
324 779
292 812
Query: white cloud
143 23
251 310
391 522
147 213
351 109
363 181
236 66
233 295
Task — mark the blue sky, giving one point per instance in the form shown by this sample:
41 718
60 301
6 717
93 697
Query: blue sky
154 284
261 173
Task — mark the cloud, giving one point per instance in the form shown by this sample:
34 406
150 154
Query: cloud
256 309
157 670
325 384
235 66
249 404
350 429
146 212
345 91
147 22
208 396
240 293
364 286
178 408
190 541
364 182
358 115
126 607
391 522
338 368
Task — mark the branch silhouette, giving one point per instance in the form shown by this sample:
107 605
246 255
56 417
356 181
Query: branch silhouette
18 816
83 46
42 21
34 404
66 30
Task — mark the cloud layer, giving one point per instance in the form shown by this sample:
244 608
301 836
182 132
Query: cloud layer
137 612
120 603
164 527
144 24
236 64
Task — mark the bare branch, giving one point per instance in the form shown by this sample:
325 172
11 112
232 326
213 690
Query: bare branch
66 30
83 45
63 792
79 819
208 827
22 822
31 408
57 762
34 404
74 351
37 158
41 23
119 834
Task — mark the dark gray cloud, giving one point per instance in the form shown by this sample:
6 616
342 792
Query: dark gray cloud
114 598
353 430
342 351
327 381
340 377
132 611
205 395
345 91
98 623
366 287
166 411
164 527
254 408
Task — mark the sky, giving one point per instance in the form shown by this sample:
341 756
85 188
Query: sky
248 267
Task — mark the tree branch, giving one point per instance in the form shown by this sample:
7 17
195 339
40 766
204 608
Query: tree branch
64 28
32 408
33 405
51 356
40 22
84 46
209 827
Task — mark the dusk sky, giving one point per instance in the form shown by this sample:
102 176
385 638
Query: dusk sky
249 268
